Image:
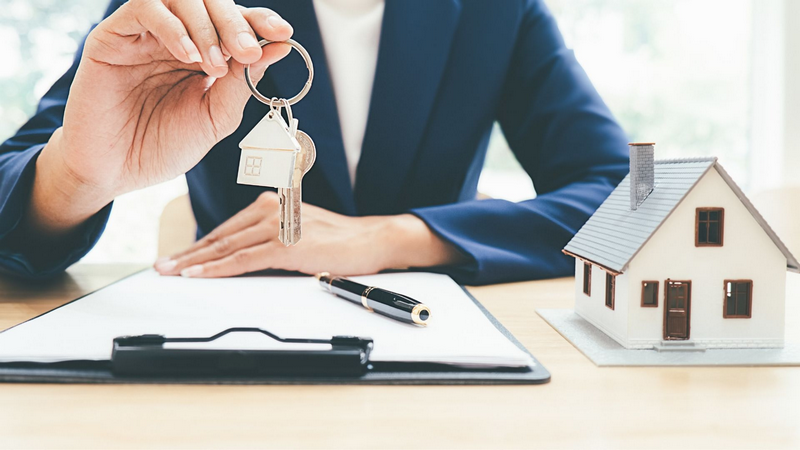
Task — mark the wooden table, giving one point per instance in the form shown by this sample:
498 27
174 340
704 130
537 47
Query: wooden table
583 406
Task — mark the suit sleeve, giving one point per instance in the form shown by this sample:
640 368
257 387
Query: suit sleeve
17 169
565 138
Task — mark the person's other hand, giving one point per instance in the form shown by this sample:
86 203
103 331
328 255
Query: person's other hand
331 242
160 82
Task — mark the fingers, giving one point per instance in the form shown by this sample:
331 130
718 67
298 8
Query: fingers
197 31
265 207
232 90
217 24
270 26
235 33
260 257
201 29
267 23
263 211
247 238
136 18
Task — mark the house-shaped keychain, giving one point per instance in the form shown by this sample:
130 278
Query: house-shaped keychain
268 153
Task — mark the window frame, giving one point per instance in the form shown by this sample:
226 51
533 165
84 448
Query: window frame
611 287
653 305
721 221
749 314
587 278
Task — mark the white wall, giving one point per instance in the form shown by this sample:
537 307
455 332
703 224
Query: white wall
791 139
774 159
747 253
613 322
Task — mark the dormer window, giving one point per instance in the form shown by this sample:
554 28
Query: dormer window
709 227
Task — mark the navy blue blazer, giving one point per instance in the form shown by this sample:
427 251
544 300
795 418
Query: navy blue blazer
447 70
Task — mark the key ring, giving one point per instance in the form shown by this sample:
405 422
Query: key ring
309 65
275 106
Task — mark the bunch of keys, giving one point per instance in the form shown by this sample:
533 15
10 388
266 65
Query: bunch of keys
277 154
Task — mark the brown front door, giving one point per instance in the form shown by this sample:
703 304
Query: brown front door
676 309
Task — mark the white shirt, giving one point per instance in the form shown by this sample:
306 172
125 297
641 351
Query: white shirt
351 31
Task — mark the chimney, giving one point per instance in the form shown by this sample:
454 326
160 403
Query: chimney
642 176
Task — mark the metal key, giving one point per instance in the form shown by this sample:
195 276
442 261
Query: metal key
276 154
291 199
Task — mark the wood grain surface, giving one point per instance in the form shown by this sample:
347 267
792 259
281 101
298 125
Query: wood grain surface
582 407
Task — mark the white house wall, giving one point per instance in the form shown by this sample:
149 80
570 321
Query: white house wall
613 322
747 253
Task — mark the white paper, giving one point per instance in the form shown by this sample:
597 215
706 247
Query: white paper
147 303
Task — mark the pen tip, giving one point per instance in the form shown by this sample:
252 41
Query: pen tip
322 274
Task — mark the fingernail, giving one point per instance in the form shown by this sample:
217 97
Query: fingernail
191 50
215 54
277 21
193 271
166 266
246 40
225 51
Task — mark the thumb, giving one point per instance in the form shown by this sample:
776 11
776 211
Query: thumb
232 89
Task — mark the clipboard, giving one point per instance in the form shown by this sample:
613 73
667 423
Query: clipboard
298 367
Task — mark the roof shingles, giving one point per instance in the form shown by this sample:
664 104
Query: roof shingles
615 233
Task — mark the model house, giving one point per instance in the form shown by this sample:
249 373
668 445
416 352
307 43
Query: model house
678 255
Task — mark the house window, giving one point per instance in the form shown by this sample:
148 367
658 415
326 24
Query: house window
649 294
709 227
587 278
738 299
610 282
252 166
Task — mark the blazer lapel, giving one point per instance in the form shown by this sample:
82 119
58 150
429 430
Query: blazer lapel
317 111
413 52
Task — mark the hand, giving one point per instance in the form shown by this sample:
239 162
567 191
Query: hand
154 92
331 242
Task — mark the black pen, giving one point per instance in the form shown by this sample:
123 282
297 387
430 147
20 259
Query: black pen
387 303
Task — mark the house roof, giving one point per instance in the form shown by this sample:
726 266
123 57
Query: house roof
614 234
270 133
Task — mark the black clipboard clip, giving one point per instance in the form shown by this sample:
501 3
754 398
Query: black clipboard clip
145 355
